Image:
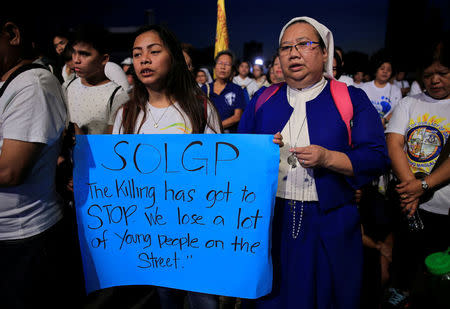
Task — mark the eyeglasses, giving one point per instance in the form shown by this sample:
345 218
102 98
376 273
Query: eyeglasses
226 64
303 46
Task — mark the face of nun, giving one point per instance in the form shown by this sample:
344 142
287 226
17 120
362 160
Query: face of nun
303 67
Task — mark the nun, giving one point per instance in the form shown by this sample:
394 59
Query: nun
316 236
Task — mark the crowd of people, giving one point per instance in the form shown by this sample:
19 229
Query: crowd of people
348 186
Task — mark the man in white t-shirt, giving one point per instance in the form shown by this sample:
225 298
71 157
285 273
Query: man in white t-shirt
35 243
92 98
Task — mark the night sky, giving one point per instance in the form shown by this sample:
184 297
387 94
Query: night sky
356 25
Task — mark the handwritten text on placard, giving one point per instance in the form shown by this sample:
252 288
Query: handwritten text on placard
189 212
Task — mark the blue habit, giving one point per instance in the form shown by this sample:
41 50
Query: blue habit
322 267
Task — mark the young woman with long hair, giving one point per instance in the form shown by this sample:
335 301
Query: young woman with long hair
166 100
165 97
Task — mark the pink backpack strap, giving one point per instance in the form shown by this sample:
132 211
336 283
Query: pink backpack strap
267 94
341 97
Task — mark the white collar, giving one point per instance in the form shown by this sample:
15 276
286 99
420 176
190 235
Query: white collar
305 94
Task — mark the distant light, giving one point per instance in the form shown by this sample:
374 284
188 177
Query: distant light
259 61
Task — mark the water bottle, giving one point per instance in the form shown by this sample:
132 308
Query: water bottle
415 223
438 265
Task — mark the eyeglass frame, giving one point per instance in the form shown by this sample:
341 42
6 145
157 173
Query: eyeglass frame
306 45
225 64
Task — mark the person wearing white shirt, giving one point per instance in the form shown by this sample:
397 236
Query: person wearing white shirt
92 97
115 73
348 80
358 79
342 76
415 88
338 69
383 95
158 109
260 78
417 137
401 82
243 79
37 256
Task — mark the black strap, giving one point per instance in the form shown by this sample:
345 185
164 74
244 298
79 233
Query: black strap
20 70
112 97
71 81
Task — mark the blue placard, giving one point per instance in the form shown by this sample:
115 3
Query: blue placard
186 211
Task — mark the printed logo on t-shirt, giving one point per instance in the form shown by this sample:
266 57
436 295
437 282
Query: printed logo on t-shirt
230 97
425 138
383 106
178 126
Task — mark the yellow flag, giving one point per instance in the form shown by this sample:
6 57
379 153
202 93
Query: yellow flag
221 30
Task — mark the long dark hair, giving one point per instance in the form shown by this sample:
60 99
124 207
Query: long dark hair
179 84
